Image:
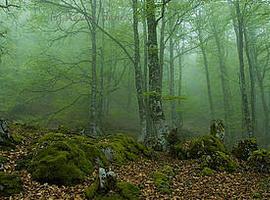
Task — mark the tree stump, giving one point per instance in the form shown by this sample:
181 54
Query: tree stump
107 180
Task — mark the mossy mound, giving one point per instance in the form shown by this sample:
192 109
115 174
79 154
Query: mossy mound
197 147
123 191
60 163
10 184
260 161
219 161
67 159
63 160
122 148
245 148
162 179
206 171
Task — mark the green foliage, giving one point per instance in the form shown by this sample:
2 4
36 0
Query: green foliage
10 184
198 147
128 191
219 161
162 179
260 161
265 185
245 148
206 171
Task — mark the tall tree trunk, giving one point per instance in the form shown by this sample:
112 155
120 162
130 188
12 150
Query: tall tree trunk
180 83
145 56
160 128
250 52
239 31
206 68
93 105
162 48
171 77
138 72
224 82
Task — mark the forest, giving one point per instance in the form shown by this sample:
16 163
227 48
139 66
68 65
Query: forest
134 99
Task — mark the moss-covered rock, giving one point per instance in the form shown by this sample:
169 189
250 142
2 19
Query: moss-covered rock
123 191
128 191
260 161
162 179
60 163
245 148
206 171
123 148
198 147
10 184
219 161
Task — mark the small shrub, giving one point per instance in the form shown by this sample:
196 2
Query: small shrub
260 161
10 184
219 161
245 148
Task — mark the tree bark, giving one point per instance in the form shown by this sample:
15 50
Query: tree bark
160 129
138 73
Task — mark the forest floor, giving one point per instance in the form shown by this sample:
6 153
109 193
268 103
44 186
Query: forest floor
186 184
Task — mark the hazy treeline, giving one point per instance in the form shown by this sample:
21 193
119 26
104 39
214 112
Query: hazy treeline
89 64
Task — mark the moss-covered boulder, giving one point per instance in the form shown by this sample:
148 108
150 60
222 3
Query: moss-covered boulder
60 163
260 161
121 148
197 147
245 148
219 161
162 179
123 191
10 184
128 191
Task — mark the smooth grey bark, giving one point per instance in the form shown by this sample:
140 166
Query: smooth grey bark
138 73
160 128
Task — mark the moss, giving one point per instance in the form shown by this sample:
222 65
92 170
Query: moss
197 147
219 161
10 184
206 171
124 148
3 160
162 179
245 148
60 163
265 185
91 191
260 161
128 190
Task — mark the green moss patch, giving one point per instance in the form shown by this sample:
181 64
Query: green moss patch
260 161
219 161
198 147
245 148
10 184
206 171
162 179
123 191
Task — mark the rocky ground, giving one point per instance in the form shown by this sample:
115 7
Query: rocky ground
187 182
